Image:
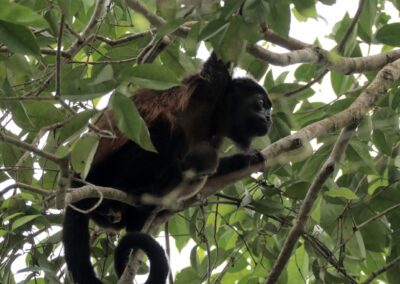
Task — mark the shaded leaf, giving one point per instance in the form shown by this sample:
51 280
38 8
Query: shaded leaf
19 14
83 153
130 122
18 38
152 76
342 192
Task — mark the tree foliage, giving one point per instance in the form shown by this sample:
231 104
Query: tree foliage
325 209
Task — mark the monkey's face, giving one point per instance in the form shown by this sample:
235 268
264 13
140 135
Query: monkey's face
251 112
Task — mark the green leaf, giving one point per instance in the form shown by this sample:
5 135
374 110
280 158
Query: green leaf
382 141
267 206
167 9
213 28
36 115
306 8
188 275
85 89
152 76
389 34
18 14
340 82
232 43
76 124
170 27
191 43
358 153
130 122
22 221
278 18
342 192
83 153
255 11
367 20
18 38
298 190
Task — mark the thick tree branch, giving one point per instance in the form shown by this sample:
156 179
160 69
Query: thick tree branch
306 55
90 191
312 194
315 55
288 43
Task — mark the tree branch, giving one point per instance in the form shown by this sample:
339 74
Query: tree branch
90 191
27 187
382 270
312 194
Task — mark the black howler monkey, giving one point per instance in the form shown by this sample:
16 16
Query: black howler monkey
186 124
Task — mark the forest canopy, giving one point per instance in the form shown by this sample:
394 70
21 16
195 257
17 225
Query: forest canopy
324 208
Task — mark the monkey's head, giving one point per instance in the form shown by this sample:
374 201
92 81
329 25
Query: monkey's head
251 111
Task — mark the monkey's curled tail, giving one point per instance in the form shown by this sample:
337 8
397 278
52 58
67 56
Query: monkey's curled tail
159 267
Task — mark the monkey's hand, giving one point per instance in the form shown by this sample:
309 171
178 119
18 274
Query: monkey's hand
255 157
238 162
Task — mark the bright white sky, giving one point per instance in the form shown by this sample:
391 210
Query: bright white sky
304 31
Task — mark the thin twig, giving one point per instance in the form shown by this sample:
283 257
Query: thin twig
382 270
168 250
26 187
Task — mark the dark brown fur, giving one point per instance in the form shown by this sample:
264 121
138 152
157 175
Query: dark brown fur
152 104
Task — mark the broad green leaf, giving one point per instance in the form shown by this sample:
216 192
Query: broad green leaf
253 65
298 190
382 141
230 7
279 17
83 153
170 27
85 89
375 233
342 192
267 206
255 11
313 164
38 115
306 8
388 34
76 124
178 226
130 122
22 15
305 72
298 266
212 28
167 9
22 221
18 39
340 82
187 275
152 76
191 42
232 43
360 157
367 20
